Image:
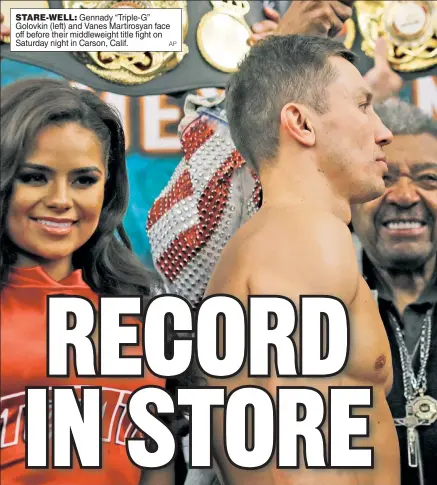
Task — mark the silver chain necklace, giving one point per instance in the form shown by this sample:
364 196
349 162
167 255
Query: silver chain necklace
420 410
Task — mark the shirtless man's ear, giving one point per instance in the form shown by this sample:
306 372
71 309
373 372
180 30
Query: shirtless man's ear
296 124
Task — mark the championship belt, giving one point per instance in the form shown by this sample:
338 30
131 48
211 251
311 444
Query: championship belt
131 68
410 28
214 36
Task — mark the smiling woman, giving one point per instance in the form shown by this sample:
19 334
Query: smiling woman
63 157
63 193
57 198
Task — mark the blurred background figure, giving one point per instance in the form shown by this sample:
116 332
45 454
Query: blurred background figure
4 30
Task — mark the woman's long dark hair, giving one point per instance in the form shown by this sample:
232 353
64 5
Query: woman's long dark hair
108 264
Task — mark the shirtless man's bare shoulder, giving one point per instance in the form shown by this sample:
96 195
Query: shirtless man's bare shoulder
279 247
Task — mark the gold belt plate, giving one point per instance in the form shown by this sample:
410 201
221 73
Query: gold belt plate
410 28
130 68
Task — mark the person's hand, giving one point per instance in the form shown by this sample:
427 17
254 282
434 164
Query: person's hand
383 81
325 18
263 29
4 31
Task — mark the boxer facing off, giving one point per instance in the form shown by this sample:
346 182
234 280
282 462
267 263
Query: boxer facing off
300 112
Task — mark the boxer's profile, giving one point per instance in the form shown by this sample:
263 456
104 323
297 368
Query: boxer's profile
300 112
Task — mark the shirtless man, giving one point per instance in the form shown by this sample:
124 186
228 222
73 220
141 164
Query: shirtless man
301 114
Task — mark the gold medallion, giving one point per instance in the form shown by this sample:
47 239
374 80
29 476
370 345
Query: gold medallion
410 28
131 68
223 33
6 6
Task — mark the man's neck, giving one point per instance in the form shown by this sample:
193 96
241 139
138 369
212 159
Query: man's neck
407 286
297 182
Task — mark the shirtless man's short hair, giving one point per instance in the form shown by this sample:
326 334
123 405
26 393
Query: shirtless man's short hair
301 113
